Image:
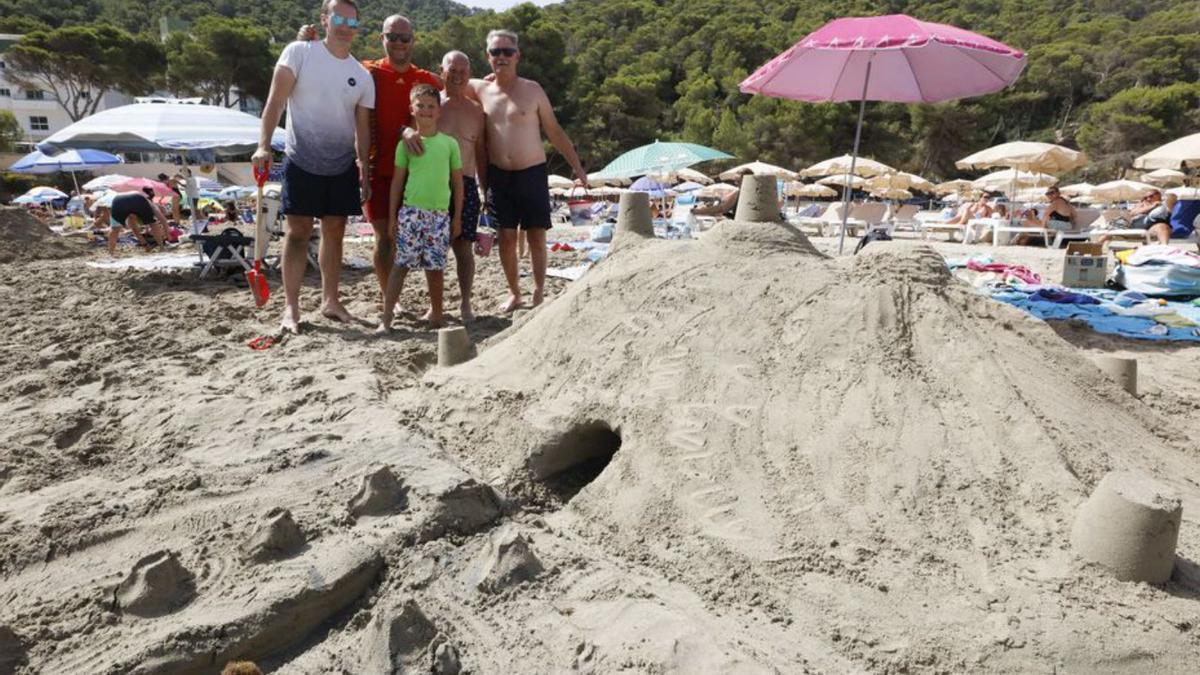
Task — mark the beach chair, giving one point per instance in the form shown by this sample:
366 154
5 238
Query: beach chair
227 250
905 216
832 215
868 215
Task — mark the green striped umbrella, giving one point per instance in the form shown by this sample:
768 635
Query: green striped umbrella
661 158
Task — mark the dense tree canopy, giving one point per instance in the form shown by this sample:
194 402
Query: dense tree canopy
77 65
1113 77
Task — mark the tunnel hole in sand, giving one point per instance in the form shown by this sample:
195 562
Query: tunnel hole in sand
571 460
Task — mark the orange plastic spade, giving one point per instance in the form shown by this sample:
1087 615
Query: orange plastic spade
255 278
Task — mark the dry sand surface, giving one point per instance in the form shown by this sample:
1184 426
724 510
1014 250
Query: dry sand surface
736 454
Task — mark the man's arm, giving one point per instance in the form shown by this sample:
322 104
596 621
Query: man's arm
396 197
362 148
727 202
481 159
282 83
456 192
558 137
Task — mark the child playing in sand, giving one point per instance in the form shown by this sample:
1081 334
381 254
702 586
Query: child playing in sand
425 208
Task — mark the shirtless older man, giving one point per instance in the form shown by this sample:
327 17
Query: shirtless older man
463 119
518 111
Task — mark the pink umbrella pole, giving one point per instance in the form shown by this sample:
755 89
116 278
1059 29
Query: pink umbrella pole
862 108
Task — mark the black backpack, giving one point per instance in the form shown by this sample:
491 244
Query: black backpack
873 235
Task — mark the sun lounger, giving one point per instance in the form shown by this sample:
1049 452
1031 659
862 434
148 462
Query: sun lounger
905 217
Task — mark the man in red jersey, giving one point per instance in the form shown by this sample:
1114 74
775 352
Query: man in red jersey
395 75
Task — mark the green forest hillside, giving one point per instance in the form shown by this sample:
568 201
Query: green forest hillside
1113 77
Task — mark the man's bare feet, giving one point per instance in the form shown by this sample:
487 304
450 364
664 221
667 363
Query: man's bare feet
436 322
385 328
513 304
335 311
538 296
467 314
290 323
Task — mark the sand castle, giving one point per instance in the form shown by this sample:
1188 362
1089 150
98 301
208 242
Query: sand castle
727 455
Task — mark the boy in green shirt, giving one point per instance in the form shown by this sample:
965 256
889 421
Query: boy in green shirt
424 188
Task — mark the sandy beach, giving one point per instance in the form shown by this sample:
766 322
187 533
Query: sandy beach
733 454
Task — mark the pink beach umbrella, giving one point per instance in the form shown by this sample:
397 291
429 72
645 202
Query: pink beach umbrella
886 58
138 184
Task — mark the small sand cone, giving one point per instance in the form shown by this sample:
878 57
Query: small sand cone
158 584
381 493
454 346
758 202
1124 371
1130 525
510 560
634 222
277 537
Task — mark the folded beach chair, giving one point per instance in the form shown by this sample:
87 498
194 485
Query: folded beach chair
869 216
227 250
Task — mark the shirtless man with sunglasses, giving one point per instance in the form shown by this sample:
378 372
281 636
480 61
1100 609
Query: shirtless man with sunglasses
518 111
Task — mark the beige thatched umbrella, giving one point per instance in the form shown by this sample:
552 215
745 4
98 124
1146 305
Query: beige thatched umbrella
757 169
900 180
555 181
841 165
1121 191
841 180
1173 155
716 190
1011 180
1164 177
1026 156
808 190
952 186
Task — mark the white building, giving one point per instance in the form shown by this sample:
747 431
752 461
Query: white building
37 111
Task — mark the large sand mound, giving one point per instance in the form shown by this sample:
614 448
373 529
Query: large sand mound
867 448
23 237
732 455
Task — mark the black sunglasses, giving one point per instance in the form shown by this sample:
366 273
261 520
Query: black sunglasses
399 37
503 51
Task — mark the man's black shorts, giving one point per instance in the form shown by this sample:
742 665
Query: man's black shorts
307 194
519 198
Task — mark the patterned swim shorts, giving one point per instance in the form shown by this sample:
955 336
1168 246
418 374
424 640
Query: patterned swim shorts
422 238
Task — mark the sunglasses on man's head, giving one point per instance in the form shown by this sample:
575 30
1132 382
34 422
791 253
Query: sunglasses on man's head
399 37
503 51
339 20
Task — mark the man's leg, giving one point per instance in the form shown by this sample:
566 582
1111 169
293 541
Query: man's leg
537 257
385 253
1161 232
294 262
464 265
113 234
508 260
436 280
333 229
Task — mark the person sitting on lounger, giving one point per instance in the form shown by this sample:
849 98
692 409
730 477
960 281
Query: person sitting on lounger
976 209
1158 220
1139 214
1058 216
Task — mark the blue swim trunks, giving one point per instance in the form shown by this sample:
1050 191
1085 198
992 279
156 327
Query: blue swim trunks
422 238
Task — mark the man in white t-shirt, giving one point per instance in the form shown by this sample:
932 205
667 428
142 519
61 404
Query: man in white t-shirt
329 96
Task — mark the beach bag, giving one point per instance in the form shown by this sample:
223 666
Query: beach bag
213 248
483 243
579 207
873 235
